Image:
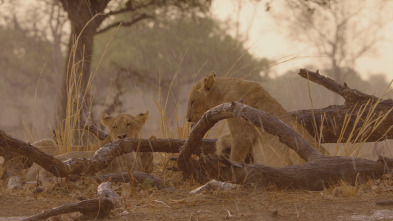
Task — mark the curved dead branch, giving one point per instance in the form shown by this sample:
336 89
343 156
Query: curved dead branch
317 173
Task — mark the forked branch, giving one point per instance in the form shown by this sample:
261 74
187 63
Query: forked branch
350 95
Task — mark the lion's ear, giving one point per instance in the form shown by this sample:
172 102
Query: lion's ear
106 119
209 82
142 117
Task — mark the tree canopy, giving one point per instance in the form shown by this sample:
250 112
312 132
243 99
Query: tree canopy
188 45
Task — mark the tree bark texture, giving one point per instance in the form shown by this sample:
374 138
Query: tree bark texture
85 18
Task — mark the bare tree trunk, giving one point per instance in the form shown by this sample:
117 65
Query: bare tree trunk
85 19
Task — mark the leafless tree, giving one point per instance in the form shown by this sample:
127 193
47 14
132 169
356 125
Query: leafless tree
341 31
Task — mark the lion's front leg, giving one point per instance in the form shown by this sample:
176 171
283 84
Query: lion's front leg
224 145
243 138
241 146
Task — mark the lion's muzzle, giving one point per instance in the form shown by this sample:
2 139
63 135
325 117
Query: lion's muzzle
122 136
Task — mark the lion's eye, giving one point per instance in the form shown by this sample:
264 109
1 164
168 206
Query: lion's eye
129 124
114 127
192 103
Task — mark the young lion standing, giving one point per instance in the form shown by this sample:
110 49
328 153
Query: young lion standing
245 138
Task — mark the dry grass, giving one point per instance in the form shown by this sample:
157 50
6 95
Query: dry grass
68 133
368 120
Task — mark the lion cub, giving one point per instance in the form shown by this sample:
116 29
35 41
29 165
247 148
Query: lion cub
119 127
127 126
244 138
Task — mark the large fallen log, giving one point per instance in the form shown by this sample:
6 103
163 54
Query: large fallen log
363 117
100 160
317 173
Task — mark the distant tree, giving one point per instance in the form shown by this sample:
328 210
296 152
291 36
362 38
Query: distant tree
32 24
24 59
57 19
379 85
342 31
182 47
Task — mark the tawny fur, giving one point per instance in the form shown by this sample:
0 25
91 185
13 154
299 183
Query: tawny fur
245 138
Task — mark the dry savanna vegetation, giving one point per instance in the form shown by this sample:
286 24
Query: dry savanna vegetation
340 186
156 165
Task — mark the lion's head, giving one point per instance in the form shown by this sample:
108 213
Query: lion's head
124 125
200 99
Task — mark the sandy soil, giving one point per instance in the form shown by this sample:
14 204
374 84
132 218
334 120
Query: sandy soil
144 202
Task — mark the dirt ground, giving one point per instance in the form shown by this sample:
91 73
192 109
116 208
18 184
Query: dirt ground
144 202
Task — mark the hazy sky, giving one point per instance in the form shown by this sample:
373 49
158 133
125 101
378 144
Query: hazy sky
266 40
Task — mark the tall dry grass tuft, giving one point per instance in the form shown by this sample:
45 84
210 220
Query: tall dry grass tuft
167 130
68 133
368 121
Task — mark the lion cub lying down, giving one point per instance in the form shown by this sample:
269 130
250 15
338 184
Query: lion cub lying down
127 126
119 127
244 138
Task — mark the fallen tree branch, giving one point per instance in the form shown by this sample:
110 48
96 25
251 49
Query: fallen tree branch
102 157
315 175
350 95
237 110
364 116
91 209
50 163
318 172
376 119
